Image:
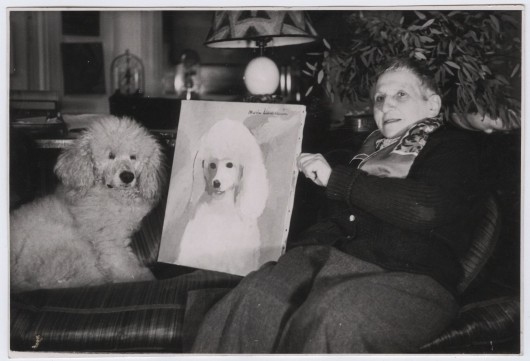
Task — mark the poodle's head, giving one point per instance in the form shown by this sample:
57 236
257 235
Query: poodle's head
221 176
116 153
229 158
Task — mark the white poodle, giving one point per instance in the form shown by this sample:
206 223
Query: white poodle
229 193
111 178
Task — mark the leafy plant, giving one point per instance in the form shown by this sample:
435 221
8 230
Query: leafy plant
474 55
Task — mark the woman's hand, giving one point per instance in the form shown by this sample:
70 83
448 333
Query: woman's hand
315 167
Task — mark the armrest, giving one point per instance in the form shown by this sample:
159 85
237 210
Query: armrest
491 325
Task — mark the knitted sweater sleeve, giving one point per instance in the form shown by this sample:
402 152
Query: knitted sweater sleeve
436 191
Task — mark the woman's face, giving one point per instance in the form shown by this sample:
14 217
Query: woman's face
400 101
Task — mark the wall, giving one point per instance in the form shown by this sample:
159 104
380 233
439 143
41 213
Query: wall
187 29
158 38
36 59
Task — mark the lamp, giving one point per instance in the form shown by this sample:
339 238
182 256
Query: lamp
260 29
187 75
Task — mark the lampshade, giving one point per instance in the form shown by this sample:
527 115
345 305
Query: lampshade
259 28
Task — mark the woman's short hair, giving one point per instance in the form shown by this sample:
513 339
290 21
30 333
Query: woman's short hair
417 68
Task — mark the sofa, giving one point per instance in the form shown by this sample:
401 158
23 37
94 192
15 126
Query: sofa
163 316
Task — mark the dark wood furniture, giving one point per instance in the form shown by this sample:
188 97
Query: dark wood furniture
152 112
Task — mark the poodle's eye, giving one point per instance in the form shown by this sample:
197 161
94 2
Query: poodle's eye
111 155
213 166
229 165
133 157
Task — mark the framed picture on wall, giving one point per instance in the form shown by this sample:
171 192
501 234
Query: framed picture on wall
83 68
232 185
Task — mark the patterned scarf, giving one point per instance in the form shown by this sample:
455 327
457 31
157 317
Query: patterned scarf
384 157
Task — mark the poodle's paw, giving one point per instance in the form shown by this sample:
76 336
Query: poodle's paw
144 275
132 275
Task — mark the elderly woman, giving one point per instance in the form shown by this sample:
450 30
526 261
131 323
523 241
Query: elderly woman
378 275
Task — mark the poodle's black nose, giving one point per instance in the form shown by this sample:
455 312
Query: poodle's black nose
126 177
216 184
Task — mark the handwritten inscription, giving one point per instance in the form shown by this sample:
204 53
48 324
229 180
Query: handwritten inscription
266 112
38 340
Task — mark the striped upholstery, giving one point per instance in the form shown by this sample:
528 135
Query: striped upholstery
484 240
146 241
485 326
127 317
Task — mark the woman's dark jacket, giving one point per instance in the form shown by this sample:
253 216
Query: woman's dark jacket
419 224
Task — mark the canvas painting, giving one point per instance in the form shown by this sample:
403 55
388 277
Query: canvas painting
232 185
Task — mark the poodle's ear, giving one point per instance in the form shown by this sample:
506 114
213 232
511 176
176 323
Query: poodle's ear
75 167
254 186
198 184
152 177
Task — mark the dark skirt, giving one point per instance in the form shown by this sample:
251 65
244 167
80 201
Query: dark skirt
317 299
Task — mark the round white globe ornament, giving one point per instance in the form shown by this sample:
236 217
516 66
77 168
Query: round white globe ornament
261 76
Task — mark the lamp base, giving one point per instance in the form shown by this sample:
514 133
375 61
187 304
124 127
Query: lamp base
262 76
263 98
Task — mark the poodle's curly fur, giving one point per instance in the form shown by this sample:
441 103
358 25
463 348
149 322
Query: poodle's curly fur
229 193
80 235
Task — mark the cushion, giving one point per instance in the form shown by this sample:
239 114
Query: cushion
146 241
126 317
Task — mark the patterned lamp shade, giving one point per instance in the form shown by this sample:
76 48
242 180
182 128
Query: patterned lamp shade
259 28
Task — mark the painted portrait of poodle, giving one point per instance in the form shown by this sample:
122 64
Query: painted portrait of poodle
229 193
80 235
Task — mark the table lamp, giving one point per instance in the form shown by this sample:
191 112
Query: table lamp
260 29
187 75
